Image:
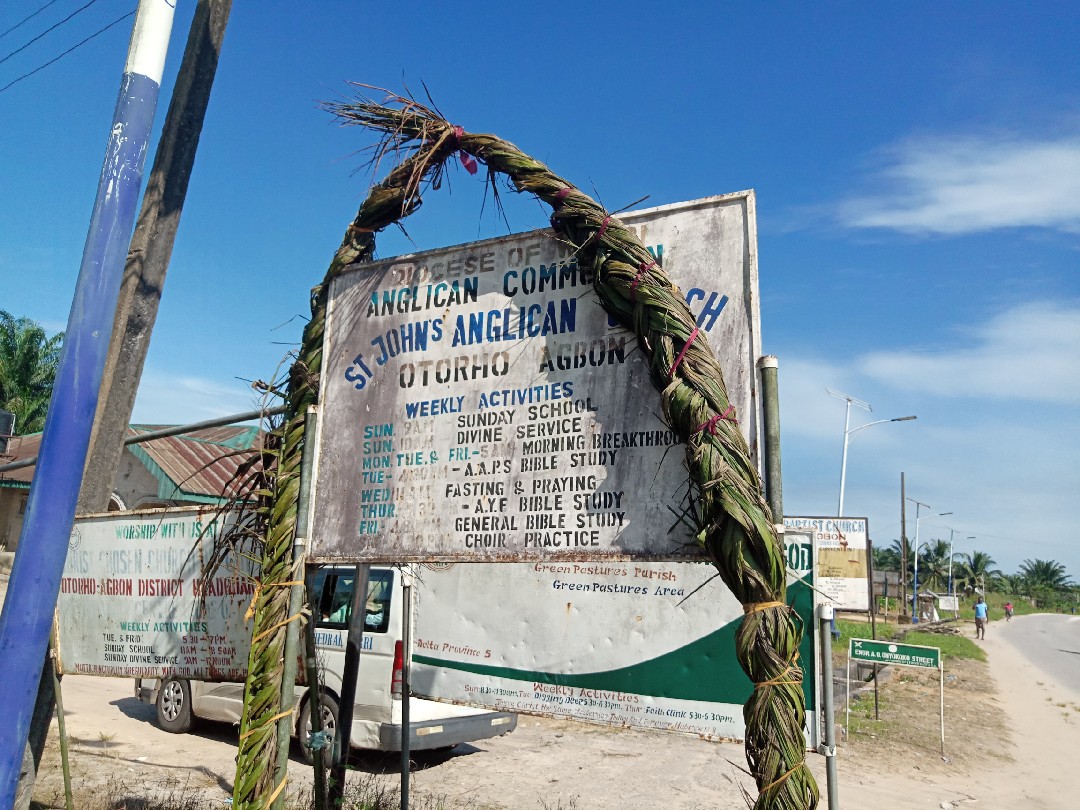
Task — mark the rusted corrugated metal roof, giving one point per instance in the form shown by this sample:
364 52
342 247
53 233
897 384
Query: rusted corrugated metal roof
202 463
19 448
199 464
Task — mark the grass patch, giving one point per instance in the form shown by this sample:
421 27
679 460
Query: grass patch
862 720
951 646
849 630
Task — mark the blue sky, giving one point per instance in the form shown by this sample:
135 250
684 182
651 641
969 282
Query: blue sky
917 170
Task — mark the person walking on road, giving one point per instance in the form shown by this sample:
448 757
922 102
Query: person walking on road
980 618
1008 611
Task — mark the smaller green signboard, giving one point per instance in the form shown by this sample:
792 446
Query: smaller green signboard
888 652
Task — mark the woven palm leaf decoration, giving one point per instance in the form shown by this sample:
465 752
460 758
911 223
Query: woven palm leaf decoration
735 525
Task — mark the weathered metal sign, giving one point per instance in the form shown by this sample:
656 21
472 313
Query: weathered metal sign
949 603
479 405
136 601
903 655
641 644
842 559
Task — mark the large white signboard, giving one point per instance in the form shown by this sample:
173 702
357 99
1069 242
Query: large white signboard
137 600
479 405
642 644
842 559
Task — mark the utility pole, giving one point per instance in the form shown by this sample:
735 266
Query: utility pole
151 249
27 618
952 537
140 292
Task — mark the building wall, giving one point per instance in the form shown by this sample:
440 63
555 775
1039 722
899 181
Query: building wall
12 506
133 488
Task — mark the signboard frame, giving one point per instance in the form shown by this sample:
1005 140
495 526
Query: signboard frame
157 612
846 593
433 530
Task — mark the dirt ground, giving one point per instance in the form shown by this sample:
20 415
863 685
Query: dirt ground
1003 750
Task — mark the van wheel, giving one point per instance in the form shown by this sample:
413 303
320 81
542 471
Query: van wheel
174 706
329 724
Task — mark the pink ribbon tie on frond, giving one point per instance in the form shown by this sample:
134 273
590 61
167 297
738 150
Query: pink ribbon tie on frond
467 160
643 268
710 425
603 229
686 346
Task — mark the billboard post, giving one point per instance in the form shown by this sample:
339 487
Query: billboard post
498 414
828 749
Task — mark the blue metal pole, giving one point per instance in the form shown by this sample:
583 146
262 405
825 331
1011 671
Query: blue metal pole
39 559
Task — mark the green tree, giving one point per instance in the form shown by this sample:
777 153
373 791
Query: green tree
934 565
901 548
975 571
1048 574
886 558
28 362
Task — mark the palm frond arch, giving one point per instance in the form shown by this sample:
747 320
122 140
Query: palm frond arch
737 528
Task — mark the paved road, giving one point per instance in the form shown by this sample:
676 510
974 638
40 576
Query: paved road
1049 642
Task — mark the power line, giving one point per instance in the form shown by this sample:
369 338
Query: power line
97 33
47 30
26 19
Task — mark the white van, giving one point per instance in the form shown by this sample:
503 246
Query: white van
377 710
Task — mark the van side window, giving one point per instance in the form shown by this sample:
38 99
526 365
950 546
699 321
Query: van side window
379 598
333 595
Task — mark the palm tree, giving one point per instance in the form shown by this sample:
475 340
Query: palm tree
1045 574
886 558
1009 583
975 571
902 549
934 565
28 364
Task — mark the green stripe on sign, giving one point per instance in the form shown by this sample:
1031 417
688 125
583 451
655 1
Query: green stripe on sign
704 670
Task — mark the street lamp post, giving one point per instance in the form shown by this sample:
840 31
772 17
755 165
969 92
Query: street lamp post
849 430
952 534
915 587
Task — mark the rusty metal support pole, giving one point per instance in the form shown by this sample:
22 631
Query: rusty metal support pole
353 645
770 407
825 617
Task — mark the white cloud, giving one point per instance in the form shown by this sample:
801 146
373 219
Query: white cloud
971 184
1031 352
165 399
806 409
995 443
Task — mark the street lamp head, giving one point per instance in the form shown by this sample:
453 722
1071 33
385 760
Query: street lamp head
850 399
848 431
936 514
